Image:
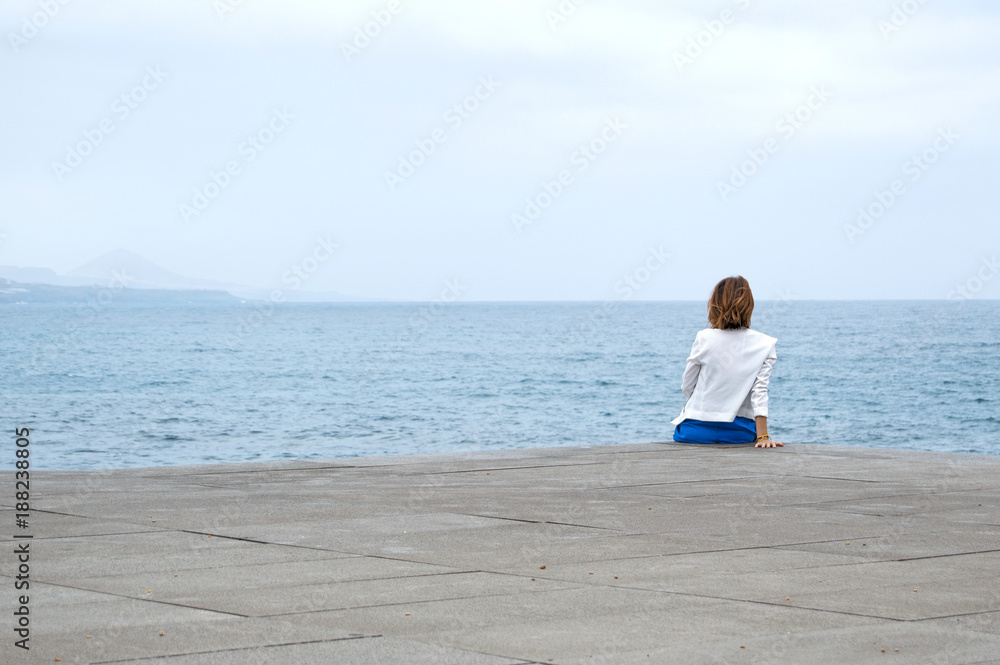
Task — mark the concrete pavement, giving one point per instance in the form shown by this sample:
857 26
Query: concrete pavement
639 553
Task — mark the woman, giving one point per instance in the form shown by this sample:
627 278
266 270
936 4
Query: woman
725 381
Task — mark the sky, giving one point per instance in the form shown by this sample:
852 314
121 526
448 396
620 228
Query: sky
522 150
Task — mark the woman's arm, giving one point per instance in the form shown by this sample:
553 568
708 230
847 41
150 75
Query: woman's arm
690 379
758 397
692 370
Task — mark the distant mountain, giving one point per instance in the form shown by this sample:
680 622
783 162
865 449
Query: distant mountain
139 273
136 272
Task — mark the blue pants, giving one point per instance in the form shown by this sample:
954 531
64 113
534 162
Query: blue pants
741 430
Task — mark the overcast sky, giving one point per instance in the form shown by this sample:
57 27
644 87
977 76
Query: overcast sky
591 140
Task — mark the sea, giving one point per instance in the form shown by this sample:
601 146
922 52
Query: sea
115 385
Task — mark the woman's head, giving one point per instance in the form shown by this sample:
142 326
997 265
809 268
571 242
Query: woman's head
731 304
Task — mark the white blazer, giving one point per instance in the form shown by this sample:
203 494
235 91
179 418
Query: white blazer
727 375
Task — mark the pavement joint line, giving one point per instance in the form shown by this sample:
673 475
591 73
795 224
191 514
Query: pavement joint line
943 556
93 535
952 616
855 512
496 517
669 554
775 604
519 519
218 487
118 520
233 567
915 558
391 577
386 557
57 512
865 562
145 600
289 586
197 533
261 646
577 585
850 480
936 493
585 526
874 498
726 549
569 585
259 542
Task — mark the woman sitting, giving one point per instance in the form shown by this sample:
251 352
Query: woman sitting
725 381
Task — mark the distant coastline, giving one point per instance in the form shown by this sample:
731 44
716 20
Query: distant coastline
121 269
15 293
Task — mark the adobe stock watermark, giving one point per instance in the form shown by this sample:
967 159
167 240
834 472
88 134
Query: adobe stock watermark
32 25
705 39
758 321
224 8
585 155
364 34
884 199
418 323
562 13
772 310
900 16
988 269
421 320
786 129
294 278
121 108
625 289
248 150
454 117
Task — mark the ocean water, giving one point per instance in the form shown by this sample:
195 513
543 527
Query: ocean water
125 385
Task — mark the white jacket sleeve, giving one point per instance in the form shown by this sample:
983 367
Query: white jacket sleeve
692 370
758 393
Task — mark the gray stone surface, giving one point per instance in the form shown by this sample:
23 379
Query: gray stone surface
639 553
359 650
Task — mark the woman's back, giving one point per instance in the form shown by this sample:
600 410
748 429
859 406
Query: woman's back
728 362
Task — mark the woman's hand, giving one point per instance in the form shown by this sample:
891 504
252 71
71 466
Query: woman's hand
763 440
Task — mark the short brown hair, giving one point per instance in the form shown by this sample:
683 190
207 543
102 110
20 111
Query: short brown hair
731 304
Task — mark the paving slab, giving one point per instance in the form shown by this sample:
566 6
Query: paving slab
655 552
577 622
72 558
985 622
93 629
933 539
452 547
866 645
55 525
311 586
906 590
